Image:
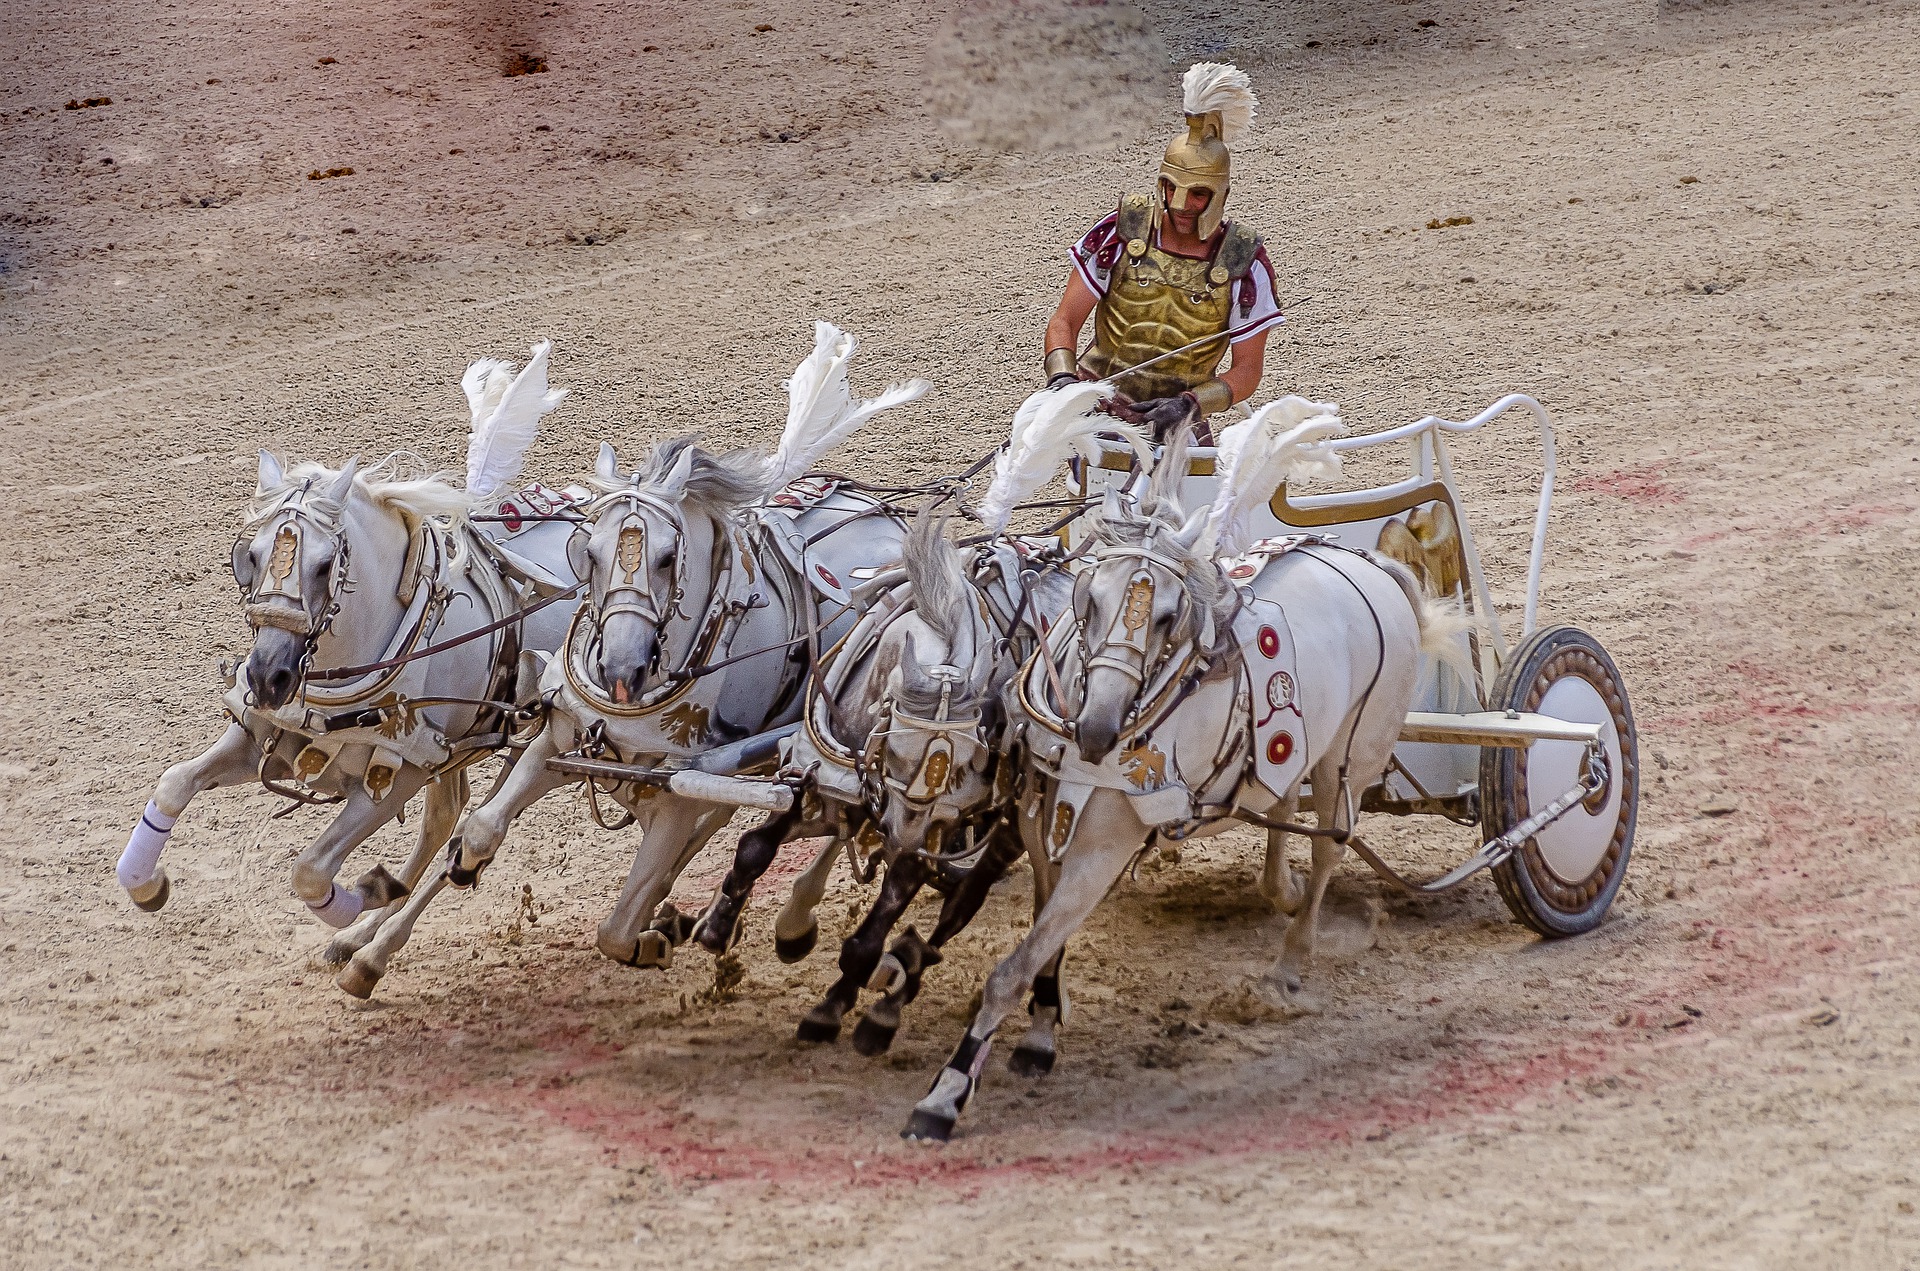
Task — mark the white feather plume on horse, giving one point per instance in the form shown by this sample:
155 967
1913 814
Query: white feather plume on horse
1211 86
821 411
1051 427
507 409
1281 443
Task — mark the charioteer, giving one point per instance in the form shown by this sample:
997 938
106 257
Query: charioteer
1171 284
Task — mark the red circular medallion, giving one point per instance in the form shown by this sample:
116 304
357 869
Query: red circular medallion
1269 642
1279 748
823 572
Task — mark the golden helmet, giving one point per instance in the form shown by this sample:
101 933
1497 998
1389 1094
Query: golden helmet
1219 103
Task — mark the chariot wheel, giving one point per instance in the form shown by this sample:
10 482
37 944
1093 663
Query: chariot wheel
1562 881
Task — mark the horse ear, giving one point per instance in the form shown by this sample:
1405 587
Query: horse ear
911 675
272 475
1112 509
343 484
606 467
674 484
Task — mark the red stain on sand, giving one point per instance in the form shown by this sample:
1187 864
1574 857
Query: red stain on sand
1643 483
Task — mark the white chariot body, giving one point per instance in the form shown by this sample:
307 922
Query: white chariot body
1540 748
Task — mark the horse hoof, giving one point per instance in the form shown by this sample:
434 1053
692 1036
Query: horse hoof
338 952
872 1039
928 1127
672 924
1027 1061
816 1031
356 980
652 949
151 895
380 888
797 948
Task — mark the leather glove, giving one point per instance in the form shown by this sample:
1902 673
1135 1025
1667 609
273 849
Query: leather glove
1164 415
1063 378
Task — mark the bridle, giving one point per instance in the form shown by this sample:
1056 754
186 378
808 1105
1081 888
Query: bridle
1124 647
948 743
629 586
279 579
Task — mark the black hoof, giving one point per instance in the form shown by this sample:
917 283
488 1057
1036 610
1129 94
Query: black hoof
817 1032
927 1127
872 1039
456 874
799 947
672 924
714 933
158 901
380 888
1026 1062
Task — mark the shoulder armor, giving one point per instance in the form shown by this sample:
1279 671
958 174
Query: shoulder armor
1135 222
1238 249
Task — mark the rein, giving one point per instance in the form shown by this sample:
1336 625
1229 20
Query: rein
367 668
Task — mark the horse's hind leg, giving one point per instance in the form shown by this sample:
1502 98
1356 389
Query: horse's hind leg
1279 882
1285 979
446 800
860 952
795 929
672 832
229 761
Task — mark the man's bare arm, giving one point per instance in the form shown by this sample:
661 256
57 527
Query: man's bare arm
1063 329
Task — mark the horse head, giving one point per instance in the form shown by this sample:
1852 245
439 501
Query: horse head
647 545
929 755
1142 602
318 564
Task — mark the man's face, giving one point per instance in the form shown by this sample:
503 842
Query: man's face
1184 209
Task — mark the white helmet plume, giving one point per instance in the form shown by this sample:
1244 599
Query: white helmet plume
1052 426
1283 442
1211 86
821 411
507 409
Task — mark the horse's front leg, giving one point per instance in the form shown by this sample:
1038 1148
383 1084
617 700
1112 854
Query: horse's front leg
795 929
751 859
910 957
369 964
1047 1005
672 832
446 799
229 761
314 871
1108 836
860 952
529 781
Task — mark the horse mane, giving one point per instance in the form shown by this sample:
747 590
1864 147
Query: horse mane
718 484
400 480
939 580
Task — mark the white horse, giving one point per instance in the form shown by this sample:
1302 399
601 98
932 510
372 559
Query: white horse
899 751
1190 702
712 587
385 580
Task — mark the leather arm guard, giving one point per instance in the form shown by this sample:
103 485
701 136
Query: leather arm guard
1061 364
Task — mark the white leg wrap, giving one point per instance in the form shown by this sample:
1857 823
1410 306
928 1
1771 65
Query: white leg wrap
342 907
142 857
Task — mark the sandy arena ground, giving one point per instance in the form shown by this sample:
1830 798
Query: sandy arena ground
1691 237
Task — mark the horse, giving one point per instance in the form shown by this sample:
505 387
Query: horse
385 577
1190 703
713 582
899 751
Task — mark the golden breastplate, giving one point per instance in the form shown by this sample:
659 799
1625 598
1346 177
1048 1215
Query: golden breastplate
1155 303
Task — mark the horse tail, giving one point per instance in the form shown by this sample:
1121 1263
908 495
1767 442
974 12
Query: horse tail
1443 619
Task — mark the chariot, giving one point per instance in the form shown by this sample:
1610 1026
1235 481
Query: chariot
1537 744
